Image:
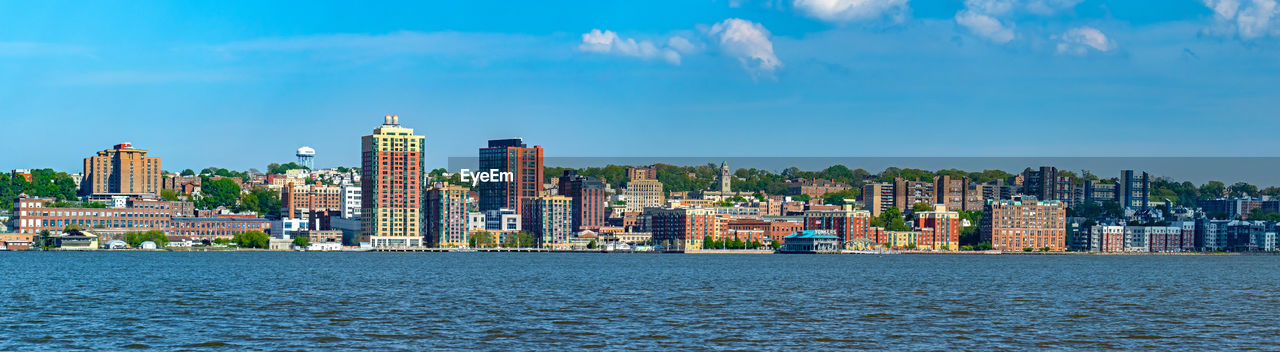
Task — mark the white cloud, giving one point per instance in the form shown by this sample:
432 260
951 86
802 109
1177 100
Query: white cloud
993 19
1079 40
852 10
1250 18
985 26
608 42
749 43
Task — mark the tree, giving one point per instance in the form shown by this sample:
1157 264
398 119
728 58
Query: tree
838 198
481 239
891 219
301 241
520 240
169 195
252 239
43 241
1241 189
921 206
188 172
1112 209
800 198
591 245
221 192
775 244
135 238
1212 189
280 169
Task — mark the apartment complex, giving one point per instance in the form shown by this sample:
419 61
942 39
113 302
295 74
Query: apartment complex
549 219
297 201
446 216
943 229
683 229
1024 222
391 182
121 170
588 198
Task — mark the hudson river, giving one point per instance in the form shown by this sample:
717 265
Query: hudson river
537 301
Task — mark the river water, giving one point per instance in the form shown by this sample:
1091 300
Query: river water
553 301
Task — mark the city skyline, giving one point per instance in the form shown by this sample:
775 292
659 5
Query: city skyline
244 85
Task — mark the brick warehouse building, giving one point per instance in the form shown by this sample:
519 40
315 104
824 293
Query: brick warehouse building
33 216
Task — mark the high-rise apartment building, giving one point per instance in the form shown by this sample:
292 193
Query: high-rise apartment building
447 223
588 199
549 220
878 197
1134 189
122 170
1024 222
391 180
524 164
907 193
1040 183
951 191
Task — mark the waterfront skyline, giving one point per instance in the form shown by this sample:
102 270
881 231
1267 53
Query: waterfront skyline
242 85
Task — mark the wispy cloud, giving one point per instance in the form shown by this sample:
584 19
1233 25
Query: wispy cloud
994 19
608 42
1247 19
1080 40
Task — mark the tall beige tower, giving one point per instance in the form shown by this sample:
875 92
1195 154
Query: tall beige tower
391 180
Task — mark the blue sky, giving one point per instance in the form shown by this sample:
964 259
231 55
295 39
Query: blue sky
240 84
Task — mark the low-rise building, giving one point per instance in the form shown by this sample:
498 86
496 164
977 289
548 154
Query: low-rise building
211 228
810 241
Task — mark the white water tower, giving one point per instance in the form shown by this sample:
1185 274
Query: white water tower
306 157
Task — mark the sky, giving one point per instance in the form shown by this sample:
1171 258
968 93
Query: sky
240 84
